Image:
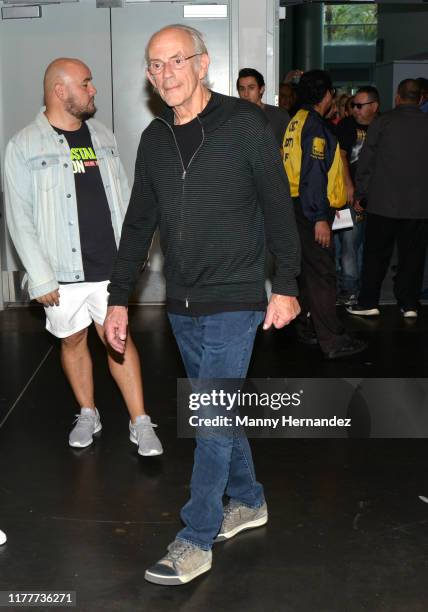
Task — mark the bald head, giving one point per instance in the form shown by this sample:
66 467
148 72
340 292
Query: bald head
409 92
69 92
58 72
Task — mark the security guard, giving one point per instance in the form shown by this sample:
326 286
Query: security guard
315 172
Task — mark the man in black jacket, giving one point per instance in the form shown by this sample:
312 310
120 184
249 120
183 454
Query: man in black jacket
251 86
392 176
351 133
208 174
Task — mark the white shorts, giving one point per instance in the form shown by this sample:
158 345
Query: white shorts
79 305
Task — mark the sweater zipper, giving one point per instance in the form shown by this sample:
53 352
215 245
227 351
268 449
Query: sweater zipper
183 176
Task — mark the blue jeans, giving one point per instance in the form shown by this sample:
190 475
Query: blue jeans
217 346
351 256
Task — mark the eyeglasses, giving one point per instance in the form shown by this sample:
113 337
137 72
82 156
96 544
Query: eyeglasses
360 105
177 63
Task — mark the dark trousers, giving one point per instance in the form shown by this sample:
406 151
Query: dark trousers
382 233
317 285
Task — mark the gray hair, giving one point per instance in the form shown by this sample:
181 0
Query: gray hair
196 36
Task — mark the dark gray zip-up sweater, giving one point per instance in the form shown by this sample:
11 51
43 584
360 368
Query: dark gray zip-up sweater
213 217
392 171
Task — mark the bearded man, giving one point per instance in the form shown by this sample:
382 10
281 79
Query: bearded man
66 195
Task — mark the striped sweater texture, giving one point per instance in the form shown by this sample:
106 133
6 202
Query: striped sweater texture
217 217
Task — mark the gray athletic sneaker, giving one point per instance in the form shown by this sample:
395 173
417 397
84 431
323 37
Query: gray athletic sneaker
237 517
183 563
87 423
141 432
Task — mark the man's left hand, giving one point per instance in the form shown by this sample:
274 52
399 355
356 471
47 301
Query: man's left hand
280 311
358 208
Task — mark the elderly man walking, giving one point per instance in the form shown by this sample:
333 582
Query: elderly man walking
209 175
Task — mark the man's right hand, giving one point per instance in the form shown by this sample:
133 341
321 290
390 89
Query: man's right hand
322 234
116 327
49 299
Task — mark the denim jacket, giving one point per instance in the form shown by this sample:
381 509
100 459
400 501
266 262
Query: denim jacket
40 199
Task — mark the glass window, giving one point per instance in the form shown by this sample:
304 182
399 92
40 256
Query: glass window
350 23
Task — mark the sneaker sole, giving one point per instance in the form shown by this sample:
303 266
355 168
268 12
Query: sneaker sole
152 453
78 445
370 312
250 525
177 580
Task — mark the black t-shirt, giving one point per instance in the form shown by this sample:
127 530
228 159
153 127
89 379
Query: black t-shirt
351 136
189 138
97 241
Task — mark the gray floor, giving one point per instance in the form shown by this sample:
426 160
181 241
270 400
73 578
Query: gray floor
347 530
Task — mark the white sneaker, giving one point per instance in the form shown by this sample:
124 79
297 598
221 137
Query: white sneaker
141 433
88 423
409 314
3 537
363 312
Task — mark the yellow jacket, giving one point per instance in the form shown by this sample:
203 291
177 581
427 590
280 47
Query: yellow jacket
313 165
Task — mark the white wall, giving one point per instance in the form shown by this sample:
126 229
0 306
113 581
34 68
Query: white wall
27 46
259 41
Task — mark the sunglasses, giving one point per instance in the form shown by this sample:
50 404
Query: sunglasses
360 105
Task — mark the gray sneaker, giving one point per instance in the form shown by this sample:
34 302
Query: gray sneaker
141 433
238 517
87 424
181 564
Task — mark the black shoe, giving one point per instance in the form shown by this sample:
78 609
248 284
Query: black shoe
352 346
346 299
